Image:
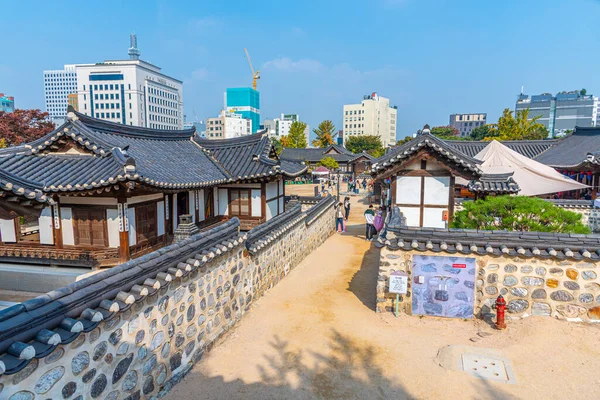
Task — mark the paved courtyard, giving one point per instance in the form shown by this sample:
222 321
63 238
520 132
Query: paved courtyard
316 335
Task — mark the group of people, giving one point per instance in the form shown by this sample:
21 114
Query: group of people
374 219
354 185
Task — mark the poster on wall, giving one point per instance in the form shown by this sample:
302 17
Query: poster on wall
443 286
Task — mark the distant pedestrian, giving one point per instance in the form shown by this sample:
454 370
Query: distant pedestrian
339 218
347 206
364 184
369 218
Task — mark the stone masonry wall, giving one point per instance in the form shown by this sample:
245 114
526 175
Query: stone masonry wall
142 352
565 289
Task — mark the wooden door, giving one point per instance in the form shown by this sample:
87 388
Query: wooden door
90 227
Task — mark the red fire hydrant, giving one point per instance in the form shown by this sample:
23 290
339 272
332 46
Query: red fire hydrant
500 309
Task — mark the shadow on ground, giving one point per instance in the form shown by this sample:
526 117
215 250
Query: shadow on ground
364 282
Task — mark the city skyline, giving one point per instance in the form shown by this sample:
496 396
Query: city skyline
454 59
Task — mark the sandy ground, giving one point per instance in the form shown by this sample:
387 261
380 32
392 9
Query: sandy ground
316 335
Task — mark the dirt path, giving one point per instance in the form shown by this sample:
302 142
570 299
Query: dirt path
315 335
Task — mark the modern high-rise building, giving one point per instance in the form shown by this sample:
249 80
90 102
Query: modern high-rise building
563 112
228 125
130 92
279 127
58 85
245 102
372 117
7 103
465 123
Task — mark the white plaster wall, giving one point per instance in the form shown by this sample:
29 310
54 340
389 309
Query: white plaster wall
437 190
201 204
192 202
408 190
223 202
280 182
432 218
271 190
281 205
46 222
7 230
147 197
112 224
132 231
160 217
174 212
66 221
412 215
256 206
271 209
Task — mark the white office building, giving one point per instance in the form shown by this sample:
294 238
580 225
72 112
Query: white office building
58 84
279 127
228 125
372 117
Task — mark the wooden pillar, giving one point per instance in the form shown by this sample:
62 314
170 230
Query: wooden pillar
263 200
124 253
451 201
57 224
422 208
392 191
197 204
278 210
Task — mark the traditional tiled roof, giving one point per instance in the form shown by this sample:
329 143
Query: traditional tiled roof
315 155
87 153
528 148
426 141
363 154
579 148
270 231
496 243
34 328
247 157
494 183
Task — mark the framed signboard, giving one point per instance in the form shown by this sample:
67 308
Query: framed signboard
398 282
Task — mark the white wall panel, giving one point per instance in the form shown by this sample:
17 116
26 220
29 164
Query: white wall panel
432 218
256 206
160 217
281 205
46 222
223 202
192 204
112 224
412 215
201 205
408 190
174 220
437 190
271 190
132 231
66 222
271 209
7 230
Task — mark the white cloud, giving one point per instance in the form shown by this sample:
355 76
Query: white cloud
288 65
200 74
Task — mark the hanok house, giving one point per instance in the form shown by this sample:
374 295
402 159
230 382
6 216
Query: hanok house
350 163
419 178
95 193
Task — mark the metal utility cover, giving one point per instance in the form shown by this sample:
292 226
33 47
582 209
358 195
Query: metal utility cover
489 368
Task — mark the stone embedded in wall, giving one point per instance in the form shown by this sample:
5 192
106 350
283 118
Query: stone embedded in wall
552 283
593 287
98 386
588 275
493 267
538 294
130 381
45 383
526 269
80 362
517 306
556 271
572 273
69 389
25 372
510 280
22 395
586 298
594 313
510 268
570 310
492 278
491 290
561 295
532 281
540 271
541 309
88 376
571 285
56 355
518 291
122 368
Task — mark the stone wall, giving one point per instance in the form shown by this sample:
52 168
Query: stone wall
143 351
566 289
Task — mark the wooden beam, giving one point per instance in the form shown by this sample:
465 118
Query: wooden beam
263 200
422 210
57 225
451 201
124 253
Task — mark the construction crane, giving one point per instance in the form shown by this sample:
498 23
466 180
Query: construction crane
255 74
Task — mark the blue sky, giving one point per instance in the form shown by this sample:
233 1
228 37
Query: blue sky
431 58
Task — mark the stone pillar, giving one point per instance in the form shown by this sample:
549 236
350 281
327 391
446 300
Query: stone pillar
186 228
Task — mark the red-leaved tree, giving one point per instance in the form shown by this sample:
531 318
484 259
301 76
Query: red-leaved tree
23 126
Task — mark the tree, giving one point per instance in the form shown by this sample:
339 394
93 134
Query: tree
277 145
377 152
481 132
445 132
518 213
296 138
520 128
358 144
23 126
325 133
405 140
329 163
583 92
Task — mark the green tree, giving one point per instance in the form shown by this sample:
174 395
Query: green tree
358 144
296 138
325 133
518 213
481 132
520 127
583 92
329 163
277 145
445 132
377 152
405 140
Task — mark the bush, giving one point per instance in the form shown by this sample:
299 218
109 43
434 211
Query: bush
518 213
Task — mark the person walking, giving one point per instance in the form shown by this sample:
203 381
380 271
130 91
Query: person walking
369 218
339 219
347 206
364 183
